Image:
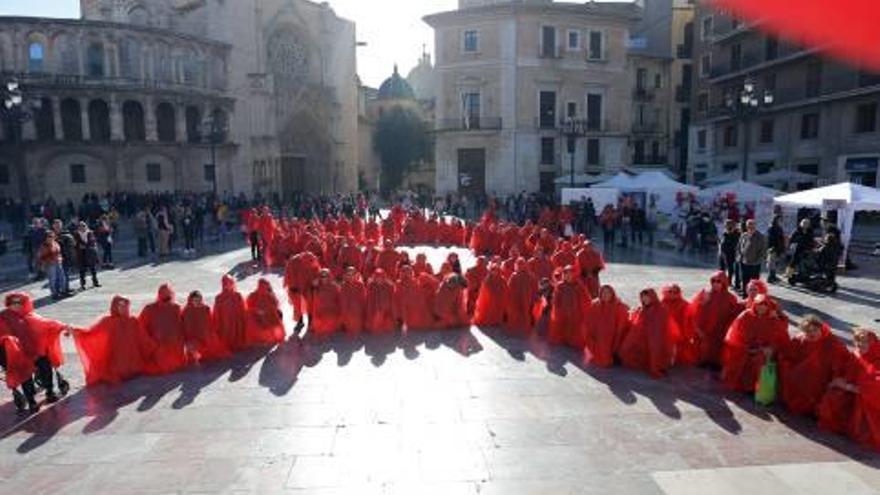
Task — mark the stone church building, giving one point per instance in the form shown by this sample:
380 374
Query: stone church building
126 97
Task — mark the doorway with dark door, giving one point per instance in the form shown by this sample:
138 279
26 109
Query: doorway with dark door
472 171
293 175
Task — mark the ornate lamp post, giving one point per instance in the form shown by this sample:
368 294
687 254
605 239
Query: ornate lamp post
16 112
743 108
572 129
214 132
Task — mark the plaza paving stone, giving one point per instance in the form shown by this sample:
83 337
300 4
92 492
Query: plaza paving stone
461 412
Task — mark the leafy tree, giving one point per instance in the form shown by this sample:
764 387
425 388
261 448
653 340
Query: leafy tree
401 140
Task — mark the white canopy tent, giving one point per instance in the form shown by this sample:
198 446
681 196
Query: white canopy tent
653 183
744 191
581 179
847 198
722 179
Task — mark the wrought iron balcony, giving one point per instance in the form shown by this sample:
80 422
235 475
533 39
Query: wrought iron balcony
468 124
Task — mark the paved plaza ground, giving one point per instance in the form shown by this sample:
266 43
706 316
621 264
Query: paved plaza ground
467 412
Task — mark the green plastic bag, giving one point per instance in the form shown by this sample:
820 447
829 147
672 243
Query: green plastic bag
767 384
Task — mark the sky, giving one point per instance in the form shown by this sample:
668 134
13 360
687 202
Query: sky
393 29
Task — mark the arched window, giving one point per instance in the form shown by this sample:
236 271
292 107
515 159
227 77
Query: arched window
36 57
138 16
65 52
164 64
165 123
99 121
71 120
193 124
133 121
44 118
95 60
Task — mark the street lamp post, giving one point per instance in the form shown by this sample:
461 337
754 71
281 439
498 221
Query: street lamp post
572 129
743 108
214 130
16 112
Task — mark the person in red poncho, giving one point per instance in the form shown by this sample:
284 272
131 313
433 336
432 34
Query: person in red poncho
713 310
607 323
489 306
756 336
387 259
30 344
806 365
540 265
230 316
422 266
380 303
428 287
590 263
522 296
162 323
325 306
450 305
650 342
475 277
265 325
563 256
754 289
410 306
688 345
199 333
569 305
848 406
352 302
114 349
299 273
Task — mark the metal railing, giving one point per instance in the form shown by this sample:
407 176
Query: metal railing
78 80
469 124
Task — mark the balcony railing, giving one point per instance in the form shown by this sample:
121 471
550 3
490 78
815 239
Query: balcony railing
684 51
592 126
469 124
682 94
646 127
643 94
77 80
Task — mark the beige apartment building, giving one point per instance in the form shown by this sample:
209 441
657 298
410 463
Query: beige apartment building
820 127
508 73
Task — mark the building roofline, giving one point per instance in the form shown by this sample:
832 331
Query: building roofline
623 11
81 23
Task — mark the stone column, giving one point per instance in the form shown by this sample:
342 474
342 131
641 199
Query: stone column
150 120
84 110
29 130
56 116
116 127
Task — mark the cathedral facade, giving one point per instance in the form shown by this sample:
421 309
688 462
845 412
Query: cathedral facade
241 96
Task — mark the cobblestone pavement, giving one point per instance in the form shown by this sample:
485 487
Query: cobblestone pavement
469 411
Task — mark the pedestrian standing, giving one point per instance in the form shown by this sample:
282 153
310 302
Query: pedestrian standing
775 247
104 234
50 259
727 249
752 253
86 255
141 231
165 230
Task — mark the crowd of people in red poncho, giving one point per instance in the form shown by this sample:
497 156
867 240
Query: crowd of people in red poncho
346 276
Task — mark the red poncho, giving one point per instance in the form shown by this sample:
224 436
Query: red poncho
380 304
650 343
713 310
687 349
541 267
326 308
567 322
489 308
590 263
410 306
161 321
743 355
265 326
19 368
114 349
299 274
353 304
522 296
607 326
428 287
387 260
37 336
806 368
475 277
449 307
230 316
855 412
199 333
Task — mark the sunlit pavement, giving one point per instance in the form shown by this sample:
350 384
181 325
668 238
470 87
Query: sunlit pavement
447 413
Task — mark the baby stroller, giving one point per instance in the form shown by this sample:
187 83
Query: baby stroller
23 394
817 270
